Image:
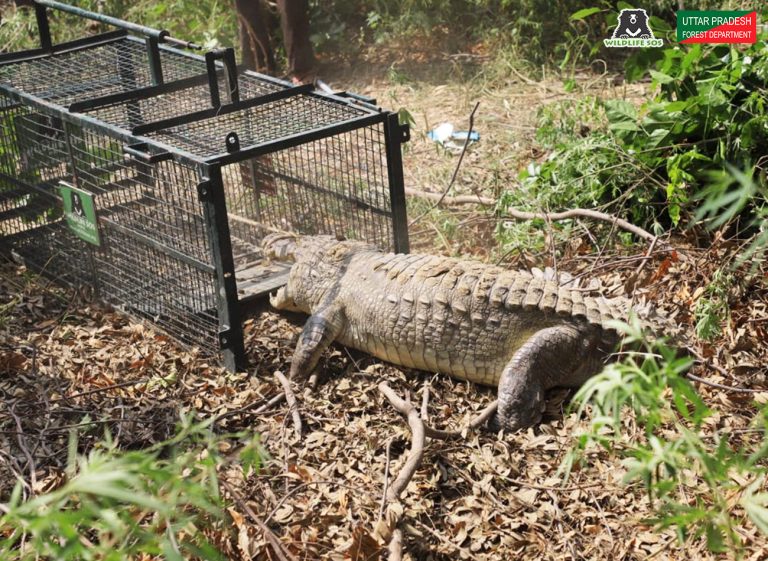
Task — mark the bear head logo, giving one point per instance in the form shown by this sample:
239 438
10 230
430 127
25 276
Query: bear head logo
633 24
77 204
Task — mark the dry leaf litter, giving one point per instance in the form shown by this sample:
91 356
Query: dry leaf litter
66 362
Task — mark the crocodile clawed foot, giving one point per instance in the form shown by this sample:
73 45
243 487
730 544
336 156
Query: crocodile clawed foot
493 424
511 424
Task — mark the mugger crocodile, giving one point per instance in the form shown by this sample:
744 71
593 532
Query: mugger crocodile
520 331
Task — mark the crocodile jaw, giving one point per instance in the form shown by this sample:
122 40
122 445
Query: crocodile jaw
280 300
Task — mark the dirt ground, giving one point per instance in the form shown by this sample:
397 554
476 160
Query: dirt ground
437 87
485 496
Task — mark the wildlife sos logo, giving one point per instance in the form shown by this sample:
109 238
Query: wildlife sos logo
80 212
633 30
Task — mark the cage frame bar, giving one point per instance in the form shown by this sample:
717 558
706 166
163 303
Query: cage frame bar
217 111
138 94
396 134
102 18
211 194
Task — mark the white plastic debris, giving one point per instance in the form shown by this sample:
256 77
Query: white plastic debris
453 140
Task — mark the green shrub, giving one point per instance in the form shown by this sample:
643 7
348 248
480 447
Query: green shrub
701 481
208 22
118 504
654 164
712 307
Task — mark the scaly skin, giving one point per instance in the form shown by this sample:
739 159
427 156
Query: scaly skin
470 320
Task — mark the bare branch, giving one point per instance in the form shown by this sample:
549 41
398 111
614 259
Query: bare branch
510 212
290 398
584 213
476 422
451 201
277 546
395 546
417 443
456 169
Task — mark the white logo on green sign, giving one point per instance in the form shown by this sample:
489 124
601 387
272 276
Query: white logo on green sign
633 29
80 213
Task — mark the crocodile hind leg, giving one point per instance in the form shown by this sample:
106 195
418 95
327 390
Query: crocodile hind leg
565 355
322 329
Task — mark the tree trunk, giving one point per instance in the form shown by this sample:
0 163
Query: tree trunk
254 36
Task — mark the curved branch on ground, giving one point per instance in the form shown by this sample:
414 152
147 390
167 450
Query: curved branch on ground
290 398
476 422
395 546
417 442
510 212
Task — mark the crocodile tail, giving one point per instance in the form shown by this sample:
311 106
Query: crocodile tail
552 296
557 294
603 312
280 247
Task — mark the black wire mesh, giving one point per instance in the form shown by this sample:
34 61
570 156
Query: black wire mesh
261 124
32 158
337 185
119 66
147 282
141 208
157 201
155 258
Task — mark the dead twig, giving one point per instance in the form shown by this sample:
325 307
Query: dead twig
510 212
450 201
290 398
20 439
734 389
583 213
417 442
298 488
477 421
277 546
392 492
86 393
395 546
383 504
259 404
455 170
425 403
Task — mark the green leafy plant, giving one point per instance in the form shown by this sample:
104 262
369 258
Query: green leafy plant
704 483
712 307
212 23
117 504
654 163
725 197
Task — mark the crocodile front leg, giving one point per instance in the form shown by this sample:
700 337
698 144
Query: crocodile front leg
322 329
564 355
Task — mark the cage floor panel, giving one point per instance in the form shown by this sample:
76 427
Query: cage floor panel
254 276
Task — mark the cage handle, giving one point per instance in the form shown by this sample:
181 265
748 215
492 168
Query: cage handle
140 151
227 56
162 35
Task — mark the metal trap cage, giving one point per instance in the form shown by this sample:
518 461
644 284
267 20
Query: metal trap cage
132 166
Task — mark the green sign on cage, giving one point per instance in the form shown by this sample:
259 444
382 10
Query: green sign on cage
80 212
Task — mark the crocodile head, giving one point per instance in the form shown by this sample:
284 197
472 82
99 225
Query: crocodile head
319 264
